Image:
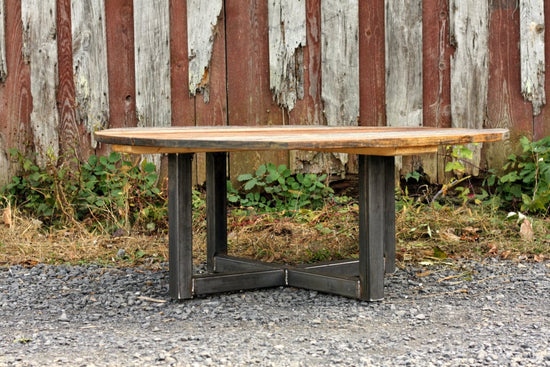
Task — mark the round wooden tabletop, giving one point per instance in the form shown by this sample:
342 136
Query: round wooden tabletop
387 141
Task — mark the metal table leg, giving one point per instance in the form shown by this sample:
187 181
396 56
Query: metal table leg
363 279
180 218
216 207
376 224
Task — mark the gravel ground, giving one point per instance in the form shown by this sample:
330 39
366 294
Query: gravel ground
466 313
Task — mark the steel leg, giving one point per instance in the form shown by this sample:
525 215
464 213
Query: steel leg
180 218
216 207
376 223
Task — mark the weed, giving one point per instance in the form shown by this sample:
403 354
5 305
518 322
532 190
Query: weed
526 182
276 188
106 192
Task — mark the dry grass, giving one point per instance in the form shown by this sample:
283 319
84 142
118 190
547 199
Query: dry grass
423 234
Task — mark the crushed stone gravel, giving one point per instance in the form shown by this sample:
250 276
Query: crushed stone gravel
463 313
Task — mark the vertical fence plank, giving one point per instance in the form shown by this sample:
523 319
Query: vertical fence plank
372 63
211 109
4 162
532 52
152 62
436 76
119 24
287 37
309 110
340 63
152 65
72 139
15 93
202 19
183 106
469 67
541 125
40 50
404 62
506 107
90 64
3 62
249 98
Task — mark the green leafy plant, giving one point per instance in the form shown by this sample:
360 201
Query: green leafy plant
109 190
276 188
526 182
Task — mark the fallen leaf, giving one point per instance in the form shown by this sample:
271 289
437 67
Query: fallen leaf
526 230
493 249
7 217
505 254
539 258
449 235
424 274
471 230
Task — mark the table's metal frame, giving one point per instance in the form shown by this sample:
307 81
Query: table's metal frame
362 279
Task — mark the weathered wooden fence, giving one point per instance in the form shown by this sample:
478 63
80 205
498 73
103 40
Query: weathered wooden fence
69 67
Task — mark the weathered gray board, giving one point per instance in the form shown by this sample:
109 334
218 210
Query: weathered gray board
40 51
287 37
202 17
532 27
469 28
3 65
340 63
152 64
403 25
90 64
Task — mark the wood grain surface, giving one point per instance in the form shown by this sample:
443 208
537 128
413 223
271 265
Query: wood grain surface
385 141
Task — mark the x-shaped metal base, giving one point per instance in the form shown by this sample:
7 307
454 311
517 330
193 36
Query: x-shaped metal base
362 279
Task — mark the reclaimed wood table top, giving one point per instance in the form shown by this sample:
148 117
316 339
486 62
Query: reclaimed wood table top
384 141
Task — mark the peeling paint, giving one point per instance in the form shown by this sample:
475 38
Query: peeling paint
287 37
152 68
404 94
90 64
532 52
40 46
470 67
202 20
3 61
340 63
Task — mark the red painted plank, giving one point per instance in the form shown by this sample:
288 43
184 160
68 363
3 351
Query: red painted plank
249 98
372 89
183 107
437 51
541 126
215 111
15 92
309 111
506 106
119 21
73 138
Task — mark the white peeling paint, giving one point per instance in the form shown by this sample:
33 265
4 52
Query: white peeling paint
404 94
202 20
287 36
3 61
469 22
152 65
340 62
532 46
90 64
40 51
